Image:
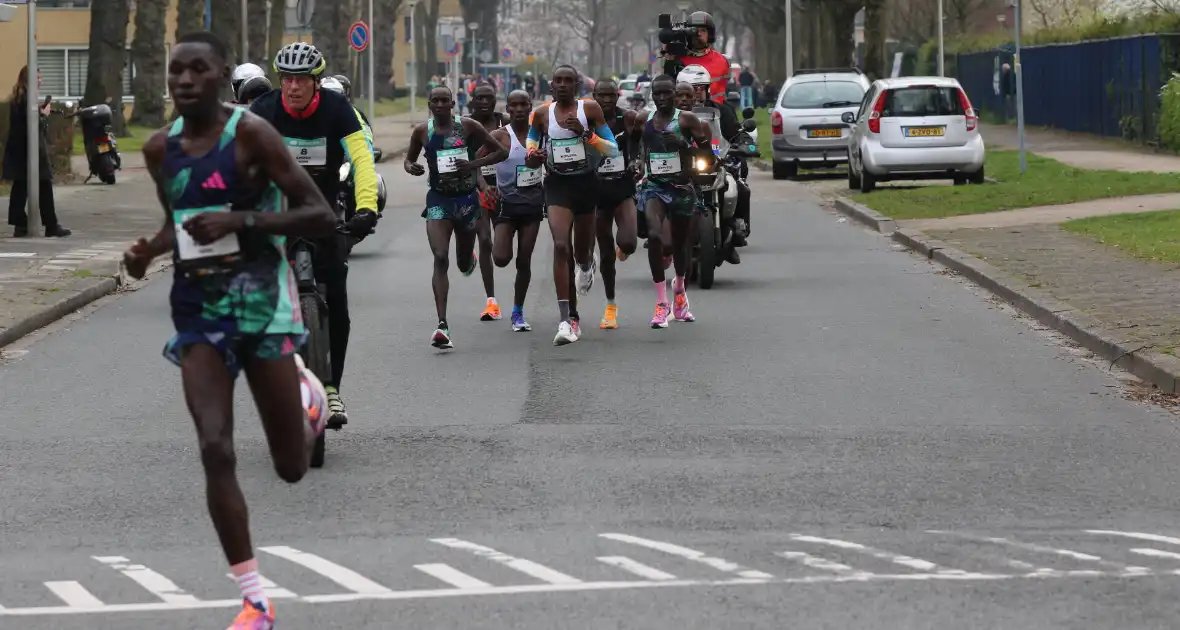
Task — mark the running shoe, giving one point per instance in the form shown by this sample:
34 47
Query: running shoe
315 399
584 278
441 339
565 334
474 264
518 322
610 318
337 414
576 326
660 318
620 255
491 312
680 308
254 617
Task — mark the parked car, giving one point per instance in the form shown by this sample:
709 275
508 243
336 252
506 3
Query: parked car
914 128
806 120
626 89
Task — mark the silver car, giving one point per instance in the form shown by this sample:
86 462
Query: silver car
914 128
806 120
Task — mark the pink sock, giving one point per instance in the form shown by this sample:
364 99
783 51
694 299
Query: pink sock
661 292
678 284
250 582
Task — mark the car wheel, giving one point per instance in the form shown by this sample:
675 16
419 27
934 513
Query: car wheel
978 177
853 179
867 182
784 170
960 181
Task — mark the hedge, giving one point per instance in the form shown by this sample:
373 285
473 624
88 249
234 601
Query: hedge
60 139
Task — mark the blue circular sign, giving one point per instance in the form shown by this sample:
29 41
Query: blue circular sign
506 53
358 36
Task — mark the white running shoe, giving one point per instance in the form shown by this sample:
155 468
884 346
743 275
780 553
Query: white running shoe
584 278
565 334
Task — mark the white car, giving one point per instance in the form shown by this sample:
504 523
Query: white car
914 128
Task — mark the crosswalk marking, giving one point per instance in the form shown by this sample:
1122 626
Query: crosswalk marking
451 576
638 568
1156 553
1026 546
345 577
74 594
528 567
689 554
272 590
151 581
816 562
896 558
1137 535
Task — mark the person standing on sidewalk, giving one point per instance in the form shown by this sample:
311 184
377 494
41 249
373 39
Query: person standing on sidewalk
746 81
16 160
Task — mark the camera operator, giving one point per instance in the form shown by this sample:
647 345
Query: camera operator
692 44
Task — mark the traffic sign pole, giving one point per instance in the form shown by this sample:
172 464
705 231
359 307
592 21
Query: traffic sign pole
372 80
32 100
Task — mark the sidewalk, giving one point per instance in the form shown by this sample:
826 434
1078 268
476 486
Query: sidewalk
1082 150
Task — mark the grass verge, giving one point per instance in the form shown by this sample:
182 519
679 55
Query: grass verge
1146 235
130 144
1047 182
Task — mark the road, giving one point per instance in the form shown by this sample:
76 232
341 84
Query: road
846 438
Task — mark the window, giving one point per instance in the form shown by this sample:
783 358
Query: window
63 72
823 94
406 21
63 4
922 100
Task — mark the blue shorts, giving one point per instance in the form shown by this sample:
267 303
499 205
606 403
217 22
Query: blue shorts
235 349
463 211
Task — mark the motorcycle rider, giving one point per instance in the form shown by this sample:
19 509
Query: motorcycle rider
701 53
321 131
242 73
251 89
338 86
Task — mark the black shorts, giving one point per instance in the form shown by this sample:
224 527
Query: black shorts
579 193
519 213
612 192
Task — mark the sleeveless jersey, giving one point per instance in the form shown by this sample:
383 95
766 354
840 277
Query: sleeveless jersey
441 152
517 183
489 171
615 168
568 154
662 151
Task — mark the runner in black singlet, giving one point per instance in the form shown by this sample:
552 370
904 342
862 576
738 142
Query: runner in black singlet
616 194
483 111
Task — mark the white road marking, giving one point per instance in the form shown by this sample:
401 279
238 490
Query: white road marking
273 591
1068 553
345 577
57 267
1157 553
816 562
896 558
1137 535
74 595
690 554
528 567
451 575
568 588
151 581
17 254
638 568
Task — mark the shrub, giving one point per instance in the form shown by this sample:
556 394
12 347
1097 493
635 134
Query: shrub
60 139
1098 27
1169 115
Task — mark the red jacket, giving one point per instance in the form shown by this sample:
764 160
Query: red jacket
718 67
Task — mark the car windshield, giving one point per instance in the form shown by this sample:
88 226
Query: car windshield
922 100
823 94
627 85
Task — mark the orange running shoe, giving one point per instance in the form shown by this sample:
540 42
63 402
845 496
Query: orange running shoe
491 312
610 318
254 617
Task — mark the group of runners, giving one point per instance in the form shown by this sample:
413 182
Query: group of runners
582 165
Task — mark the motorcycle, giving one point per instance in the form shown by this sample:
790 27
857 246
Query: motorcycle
346 202
102 151
313 304
717 173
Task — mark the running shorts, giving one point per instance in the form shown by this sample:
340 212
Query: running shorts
463 211
519 213
612 192
235 349
680 200
579 193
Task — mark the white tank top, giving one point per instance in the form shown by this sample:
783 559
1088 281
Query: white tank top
567 151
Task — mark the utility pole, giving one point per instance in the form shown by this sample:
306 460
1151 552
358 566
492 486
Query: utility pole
33 129
790 27
941 53
1019 90
372 79
413 61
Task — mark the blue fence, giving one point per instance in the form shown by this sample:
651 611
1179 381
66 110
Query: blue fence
1106 87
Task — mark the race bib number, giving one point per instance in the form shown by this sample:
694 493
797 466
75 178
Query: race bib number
664 163
313 152
446 160
188 249
526 177
488 171
568 151
612 165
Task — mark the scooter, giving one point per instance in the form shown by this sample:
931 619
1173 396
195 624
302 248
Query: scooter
102 150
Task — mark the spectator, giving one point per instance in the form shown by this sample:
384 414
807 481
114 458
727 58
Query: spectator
16 153
769 94
746 82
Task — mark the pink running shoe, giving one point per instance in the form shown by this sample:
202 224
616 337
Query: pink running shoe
254 617
680 308
660 318
315 399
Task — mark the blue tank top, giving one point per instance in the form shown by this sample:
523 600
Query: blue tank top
663 150
441 151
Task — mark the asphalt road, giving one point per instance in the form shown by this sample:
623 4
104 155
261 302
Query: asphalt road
844 439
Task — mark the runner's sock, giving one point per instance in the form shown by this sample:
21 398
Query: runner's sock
678 284
661 292
610 302
563 306
246 575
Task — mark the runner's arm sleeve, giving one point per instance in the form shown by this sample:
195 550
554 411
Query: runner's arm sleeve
360 154
604 141
533 141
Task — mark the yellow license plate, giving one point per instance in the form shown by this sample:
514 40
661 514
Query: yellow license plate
924 132
103 148
823 133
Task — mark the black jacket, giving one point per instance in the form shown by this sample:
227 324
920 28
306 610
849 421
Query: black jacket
16 147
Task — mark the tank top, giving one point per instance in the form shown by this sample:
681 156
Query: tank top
568 154
517 183
615 168
489 171
441 152
662 158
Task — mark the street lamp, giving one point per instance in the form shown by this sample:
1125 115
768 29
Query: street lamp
941 55
614 58
651 47
413 4
473 26
1016 67
790 32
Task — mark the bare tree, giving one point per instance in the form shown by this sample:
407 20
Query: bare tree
256 28
597 23
108 58
190 16
148 55
274 34
385 13
1072 13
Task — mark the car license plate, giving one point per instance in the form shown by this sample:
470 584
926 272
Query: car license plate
823 133
924 132
103 148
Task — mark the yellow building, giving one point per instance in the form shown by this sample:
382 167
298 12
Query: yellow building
63 35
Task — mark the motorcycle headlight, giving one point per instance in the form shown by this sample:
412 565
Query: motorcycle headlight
702 165
345 169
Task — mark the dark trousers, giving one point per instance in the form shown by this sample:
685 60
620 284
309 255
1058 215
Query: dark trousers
330 260
20 196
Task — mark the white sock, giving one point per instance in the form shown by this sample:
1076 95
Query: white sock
251 585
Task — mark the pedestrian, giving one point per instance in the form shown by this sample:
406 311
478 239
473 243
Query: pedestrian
746 82
16 159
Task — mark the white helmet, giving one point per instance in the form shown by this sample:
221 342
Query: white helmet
332 83
242 72
694 75
300 58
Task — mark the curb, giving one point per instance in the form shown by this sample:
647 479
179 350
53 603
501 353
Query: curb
58 310
1163 371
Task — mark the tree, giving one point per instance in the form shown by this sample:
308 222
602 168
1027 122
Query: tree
426 40
385 12
876 32
597 23
256 31
486 14
147 55
1074 13
226 21
274 35
190 16
108 58
329 29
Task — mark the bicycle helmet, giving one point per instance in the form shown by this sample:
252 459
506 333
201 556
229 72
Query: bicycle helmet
700 19
695 76
300 58
332 83
346 83
243 72
252 88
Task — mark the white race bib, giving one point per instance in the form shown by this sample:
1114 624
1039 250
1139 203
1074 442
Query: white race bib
664 163
526 177
488 171
189 249
568 150
313 152
445 160
612 165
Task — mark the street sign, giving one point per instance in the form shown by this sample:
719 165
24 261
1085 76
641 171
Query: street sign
652 58
454 50
506 53
303 10
358 36
529 58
